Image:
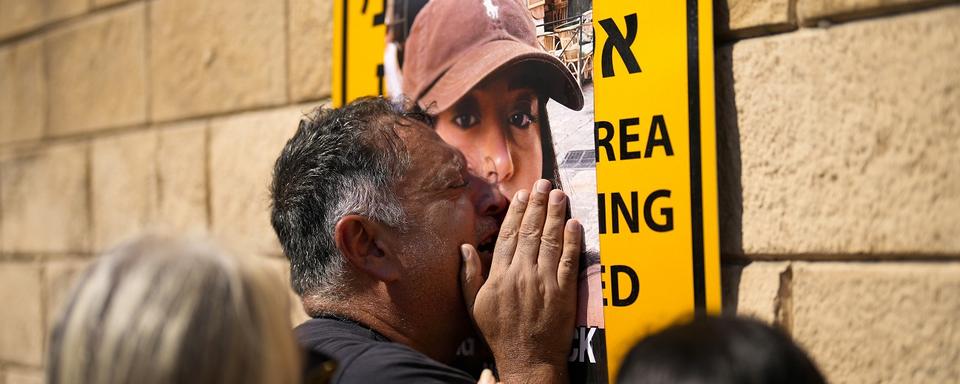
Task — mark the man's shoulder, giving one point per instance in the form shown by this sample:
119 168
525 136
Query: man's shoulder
334 334
363 355
395 363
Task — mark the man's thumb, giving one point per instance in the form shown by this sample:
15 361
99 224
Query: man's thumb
471 276
486 377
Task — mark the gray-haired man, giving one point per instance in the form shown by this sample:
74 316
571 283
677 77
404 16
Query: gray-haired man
382 223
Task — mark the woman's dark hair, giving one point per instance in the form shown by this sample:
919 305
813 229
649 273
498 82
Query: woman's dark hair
719 350
550 169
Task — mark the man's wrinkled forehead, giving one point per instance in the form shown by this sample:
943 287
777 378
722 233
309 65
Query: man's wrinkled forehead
427 148
412 130
419 136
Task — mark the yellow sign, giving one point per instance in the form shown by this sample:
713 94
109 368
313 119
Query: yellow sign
656 166
359 34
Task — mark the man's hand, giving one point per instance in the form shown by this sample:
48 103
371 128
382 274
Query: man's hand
526 308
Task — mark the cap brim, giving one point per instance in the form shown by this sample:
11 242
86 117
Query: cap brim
489 57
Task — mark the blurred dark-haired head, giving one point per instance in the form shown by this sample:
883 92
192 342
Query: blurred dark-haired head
718 350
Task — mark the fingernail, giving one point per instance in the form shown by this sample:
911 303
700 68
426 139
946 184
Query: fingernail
543 186
557 197
464 252
573 225
486 376
522 196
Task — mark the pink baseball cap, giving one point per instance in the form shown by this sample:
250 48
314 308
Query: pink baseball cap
455 44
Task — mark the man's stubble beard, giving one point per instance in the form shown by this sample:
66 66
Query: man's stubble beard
436 299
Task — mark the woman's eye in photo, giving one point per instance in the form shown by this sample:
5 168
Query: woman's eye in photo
465 121
521 119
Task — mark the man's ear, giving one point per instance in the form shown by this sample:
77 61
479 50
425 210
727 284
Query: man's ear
364 243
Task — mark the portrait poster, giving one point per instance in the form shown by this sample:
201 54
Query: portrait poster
418 52
559 106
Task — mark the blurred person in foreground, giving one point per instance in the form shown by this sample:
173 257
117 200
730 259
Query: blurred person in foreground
382 224
719 350
160 309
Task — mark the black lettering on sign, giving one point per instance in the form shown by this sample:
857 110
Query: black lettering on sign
615 39
620 300
583 345
603 141
631 212
343 52
602 213
666 212
378 19
603 283
627 137
658 124
380 79
604 133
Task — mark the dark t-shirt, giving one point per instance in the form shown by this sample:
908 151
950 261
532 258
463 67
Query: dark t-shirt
365 356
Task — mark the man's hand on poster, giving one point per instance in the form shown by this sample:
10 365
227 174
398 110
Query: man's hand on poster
525 309
486 377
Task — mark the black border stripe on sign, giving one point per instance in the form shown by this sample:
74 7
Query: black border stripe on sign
343 55
696 177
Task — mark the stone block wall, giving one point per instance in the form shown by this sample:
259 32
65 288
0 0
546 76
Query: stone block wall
839 130
838 126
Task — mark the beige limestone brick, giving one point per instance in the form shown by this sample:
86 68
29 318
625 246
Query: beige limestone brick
43 196
754 290
243 149
103 3
89 89
59 279
24 376
744 18
216 56
22 91
17 16
21 321
879 322
848 144
310 43
811 11
182 183
61 9
21 16
124 186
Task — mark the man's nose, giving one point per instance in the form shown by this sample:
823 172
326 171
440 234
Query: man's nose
497 164
486 197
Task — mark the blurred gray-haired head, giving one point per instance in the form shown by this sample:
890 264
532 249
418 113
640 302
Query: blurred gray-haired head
160 309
